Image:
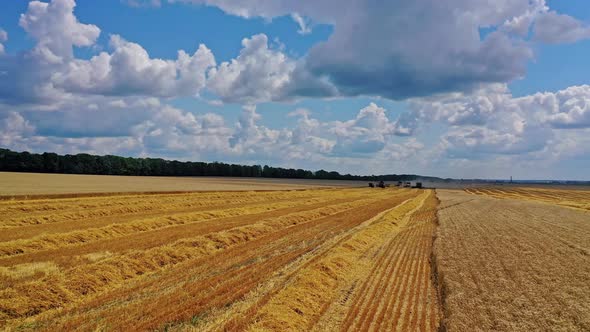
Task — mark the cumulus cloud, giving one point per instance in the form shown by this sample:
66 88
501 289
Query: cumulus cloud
142 3
367 133
554 28
491 121
258 74
569 108
129 70
49 72
304 27
374 50
14 127
380 49
3 38
52 101
56 29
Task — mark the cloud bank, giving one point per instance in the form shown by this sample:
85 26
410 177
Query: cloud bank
450 74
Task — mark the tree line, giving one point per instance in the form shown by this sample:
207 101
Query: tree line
12 161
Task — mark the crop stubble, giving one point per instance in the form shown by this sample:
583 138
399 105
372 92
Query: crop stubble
350 259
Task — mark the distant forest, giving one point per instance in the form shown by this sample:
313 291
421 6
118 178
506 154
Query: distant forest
11 161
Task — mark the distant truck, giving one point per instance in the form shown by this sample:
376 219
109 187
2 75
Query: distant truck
398 184
408 185
418 185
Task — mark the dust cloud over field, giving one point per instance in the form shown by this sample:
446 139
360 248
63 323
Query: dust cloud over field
20 184
321 259
514 259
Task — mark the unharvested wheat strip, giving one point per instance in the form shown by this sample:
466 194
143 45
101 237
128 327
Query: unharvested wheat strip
541 263
115 200
480 233
476 266
553 231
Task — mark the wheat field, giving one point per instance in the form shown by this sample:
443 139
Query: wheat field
331 259
514 259
39 185
317 259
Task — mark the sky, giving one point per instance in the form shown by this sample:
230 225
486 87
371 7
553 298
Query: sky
460 88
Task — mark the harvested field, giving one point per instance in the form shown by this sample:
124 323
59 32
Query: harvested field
514 259
36 184
318 259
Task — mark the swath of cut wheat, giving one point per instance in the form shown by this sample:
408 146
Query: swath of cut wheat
220 260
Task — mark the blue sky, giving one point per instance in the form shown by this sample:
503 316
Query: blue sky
356 87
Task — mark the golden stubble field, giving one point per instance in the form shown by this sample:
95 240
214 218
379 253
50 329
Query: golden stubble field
319 259
332 259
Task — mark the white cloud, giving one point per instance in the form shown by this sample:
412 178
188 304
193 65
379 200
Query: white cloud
554 28
49 73
3 38
52 101
367 133
129 70
304 27
569 108
56 29
521 24
258 74
142 3
378 49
